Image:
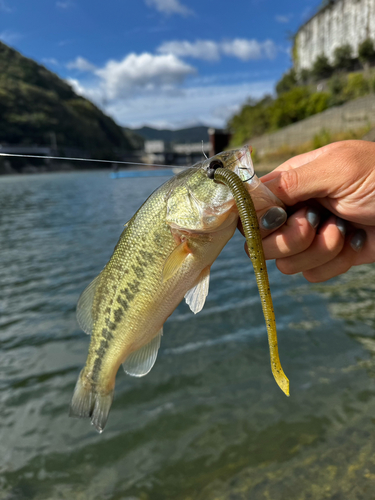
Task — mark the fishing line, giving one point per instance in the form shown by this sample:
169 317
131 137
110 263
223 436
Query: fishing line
251 177
204 154
42 157
87 159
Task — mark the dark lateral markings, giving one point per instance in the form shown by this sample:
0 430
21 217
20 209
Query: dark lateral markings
124 300
104 343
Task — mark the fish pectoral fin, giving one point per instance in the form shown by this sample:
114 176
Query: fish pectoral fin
140 362
84 307
196 296
175 260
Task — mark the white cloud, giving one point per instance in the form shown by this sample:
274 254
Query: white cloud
77 87
81 64
240 48
169 7
9 37
249 49
195 105
134 76
144 72
62 43
64 4
50 60
4 7
201 49
283 19
153 89
91 91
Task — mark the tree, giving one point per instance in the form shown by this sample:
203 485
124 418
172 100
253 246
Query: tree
252 120
366 53
321 68
304 76
295 105
287 82
343 58
336 85
357 86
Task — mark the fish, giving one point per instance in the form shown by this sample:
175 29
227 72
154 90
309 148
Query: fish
164 255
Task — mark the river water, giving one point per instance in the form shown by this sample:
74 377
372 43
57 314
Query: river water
208 422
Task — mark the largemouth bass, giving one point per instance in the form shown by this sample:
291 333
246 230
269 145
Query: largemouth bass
163 255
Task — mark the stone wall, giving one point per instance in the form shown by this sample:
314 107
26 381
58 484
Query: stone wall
353 115
340 23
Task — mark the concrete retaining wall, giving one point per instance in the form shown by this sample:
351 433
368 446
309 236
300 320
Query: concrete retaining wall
350 116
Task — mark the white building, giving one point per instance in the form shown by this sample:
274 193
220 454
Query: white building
340 22
153 147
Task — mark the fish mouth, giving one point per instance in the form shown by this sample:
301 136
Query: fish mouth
240 162
244 168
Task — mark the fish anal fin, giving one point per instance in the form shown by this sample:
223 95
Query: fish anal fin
84 307
140 362
175 260
196 296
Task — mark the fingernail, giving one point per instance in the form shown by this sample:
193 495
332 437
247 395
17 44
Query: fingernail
313 217
274 218
341 226
358 240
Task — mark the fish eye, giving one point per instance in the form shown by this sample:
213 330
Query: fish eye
212 167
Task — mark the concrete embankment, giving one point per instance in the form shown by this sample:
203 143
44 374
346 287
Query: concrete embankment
352 116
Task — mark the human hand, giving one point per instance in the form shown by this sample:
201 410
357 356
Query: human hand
337 179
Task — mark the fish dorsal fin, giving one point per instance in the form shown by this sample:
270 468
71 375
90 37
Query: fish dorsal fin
140 362
175 260
84 307
196 296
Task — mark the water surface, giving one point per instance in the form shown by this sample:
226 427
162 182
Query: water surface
208 422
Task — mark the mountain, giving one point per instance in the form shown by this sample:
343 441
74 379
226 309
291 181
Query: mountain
183 135
34 102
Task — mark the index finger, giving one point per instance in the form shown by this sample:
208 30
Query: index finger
295 162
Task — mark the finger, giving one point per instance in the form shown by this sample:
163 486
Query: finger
295 162
269 221
295 236
341 263
327 244
315 179
300 184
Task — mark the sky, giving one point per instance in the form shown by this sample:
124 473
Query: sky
162 63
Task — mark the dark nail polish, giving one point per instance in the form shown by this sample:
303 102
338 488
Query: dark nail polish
358 240
341 225
274 218
313 217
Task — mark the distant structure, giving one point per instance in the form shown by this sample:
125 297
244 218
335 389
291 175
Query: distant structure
337 23
162 152
219 140
155 152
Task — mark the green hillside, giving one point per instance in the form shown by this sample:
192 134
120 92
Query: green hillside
35 102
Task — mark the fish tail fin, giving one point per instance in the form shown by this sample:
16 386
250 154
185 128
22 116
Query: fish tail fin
87 401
